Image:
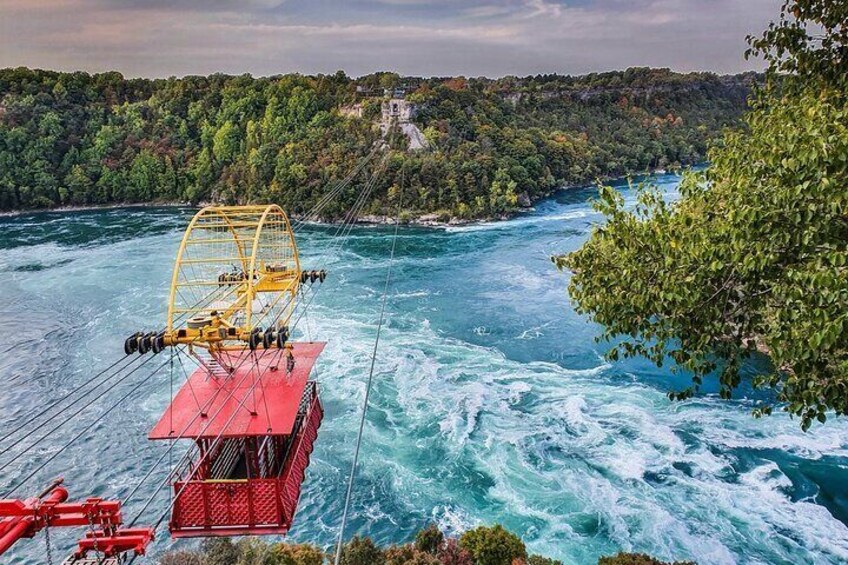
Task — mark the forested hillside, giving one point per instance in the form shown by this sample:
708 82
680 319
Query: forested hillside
80 139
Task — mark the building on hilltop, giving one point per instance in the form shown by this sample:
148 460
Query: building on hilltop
401 112
398 109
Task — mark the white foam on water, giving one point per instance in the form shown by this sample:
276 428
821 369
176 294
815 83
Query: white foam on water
519 222
415 294
553 443
533 332
581 463
605 436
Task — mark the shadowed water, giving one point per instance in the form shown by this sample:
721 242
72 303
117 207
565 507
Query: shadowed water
491 403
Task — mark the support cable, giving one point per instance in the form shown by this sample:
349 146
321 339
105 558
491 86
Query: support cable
11 491
68 395
336 190
369 382
342 234
61 399
68 418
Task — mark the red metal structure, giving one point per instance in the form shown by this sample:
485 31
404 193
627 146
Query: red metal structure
25 518
254 431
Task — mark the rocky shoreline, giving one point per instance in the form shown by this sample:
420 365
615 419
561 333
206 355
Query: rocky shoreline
424 220
427 219
430 220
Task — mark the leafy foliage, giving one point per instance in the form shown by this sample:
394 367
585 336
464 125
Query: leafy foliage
492 545
430 539
539 560
809 42
220 551
637 559
297 554
247 551
362 551
452 554
754 254
409 555
80 139
183 558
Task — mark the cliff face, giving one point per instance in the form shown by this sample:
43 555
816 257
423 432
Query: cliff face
401 112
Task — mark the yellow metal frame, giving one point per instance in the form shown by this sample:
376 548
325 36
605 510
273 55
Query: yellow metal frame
259 240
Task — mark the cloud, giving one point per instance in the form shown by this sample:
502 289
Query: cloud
470 37
543 8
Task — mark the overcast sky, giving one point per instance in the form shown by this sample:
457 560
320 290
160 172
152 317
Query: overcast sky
157 38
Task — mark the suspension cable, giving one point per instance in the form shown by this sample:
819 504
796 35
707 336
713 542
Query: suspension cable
11 491
341 185
342 235
68 418
67 395
369 382
62 398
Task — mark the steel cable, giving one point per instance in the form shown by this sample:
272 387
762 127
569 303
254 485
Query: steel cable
68 419
11 491
61 399
369 382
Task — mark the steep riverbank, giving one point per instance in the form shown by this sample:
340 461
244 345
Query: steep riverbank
78 139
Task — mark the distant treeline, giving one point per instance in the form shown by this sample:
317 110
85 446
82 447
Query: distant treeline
81 139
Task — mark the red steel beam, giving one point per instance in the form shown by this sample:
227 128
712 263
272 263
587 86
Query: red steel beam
117 542
25 518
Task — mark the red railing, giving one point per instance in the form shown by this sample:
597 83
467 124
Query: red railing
298 459
250 506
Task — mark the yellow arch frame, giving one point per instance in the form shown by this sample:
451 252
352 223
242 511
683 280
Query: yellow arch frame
245 224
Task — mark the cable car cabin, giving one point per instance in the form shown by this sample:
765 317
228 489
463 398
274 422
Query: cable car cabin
254 430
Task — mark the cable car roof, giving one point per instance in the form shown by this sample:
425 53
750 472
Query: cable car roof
269 408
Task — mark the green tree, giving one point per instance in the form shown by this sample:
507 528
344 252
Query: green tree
502 197
430 539
78 186
361 551
144 177
220 551
492 545
409 555
226 142
539 560
297 554
183 557
637 559
243 139
754 255
452 554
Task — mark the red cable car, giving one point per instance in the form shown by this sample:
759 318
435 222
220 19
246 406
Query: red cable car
249 407
253 445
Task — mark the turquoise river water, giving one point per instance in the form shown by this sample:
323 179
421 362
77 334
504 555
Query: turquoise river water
492 402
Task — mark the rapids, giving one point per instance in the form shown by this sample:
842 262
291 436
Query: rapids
492 402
